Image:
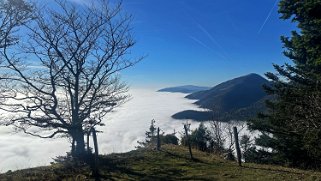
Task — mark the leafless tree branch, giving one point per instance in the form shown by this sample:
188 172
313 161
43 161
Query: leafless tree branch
81 51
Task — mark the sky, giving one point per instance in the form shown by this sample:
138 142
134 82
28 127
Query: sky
204 42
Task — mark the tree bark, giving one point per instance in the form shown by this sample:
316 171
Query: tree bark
73 145
189 143
79 150
237 146
88 148
96 165
158 140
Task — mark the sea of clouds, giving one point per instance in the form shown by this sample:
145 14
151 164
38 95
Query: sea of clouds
124 127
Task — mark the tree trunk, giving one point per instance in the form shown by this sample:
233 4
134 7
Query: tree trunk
237 146
158 140
88 148
96 165
73 145
189 143
79 150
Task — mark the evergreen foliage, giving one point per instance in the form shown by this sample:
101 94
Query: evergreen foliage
151 137
169 139
291 130
200 138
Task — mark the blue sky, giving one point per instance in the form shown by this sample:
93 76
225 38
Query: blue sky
204 42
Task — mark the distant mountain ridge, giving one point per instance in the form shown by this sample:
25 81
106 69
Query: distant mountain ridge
240 98
184 89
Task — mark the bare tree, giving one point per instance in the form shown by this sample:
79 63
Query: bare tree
230 136
77 53
222 133
13 14
217 132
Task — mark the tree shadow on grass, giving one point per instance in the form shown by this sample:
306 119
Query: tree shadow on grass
269 169
118 168
184 157
113 167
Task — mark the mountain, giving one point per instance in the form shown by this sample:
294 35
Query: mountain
184 89
239 98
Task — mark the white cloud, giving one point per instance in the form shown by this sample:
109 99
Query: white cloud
22 151
123 129
131 121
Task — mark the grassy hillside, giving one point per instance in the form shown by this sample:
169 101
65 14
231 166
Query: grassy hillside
171 163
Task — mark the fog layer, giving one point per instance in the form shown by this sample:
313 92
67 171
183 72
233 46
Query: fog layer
124 127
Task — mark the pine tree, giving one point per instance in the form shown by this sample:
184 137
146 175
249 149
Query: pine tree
292 126
200 138
150 139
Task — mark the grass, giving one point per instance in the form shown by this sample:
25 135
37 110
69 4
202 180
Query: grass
171 163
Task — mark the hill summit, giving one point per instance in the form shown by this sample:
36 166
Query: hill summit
239 98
